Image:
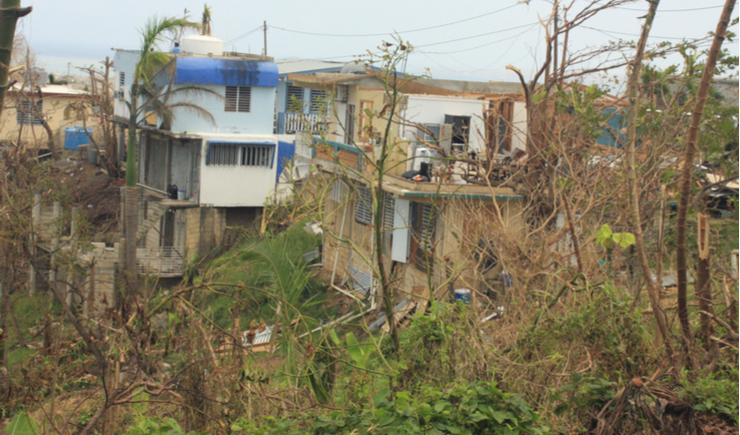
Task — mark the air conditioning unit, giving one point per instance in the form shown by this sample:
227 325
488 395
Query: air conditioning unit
341 94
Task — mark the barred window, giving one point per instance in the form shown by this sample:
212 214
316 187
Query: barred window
240 154
363 209
238 99
25 115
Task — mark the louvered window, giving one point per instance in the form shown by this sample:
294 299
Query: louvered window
25 115
240 154
238 99
319 100
121 80
388 211
359 280
363 209
423 232
339 192
295 99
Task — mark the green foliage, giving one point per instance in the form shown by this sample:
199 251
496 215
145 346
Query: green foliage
582 393
713 393
158 426
22 424
460 408
609 240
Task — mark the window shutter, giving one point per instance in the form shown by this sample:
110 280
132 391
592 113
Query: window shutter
363 209
245 99
231 98
295 93
401 233
318 100
361 281
339 192
388 211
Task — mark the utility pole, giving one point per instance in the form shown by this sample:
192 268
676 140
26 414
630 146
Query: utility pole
264 29
555 47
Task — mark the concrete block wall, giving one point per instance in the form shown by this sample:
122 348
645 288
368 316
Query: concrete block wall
102 280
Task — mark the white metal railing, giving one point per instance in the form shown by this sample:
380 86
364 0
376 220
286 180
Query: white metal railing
303 122
165 260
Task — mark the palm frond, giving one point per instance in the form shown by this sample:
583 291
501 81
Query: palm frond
153 33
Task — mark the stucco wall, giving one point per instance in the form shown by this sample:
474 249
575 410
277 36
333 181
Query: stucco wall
236 186
432 110
259 120
35 135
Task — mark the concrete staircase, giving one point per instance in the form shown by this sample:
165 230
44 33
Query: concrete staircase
155 211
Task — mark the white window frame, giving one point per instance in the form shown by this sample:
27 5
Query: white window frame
238 99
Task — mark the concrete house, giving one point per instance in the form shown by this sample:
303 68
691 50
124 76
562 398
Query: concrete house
298 108
431 239
199 175
54 103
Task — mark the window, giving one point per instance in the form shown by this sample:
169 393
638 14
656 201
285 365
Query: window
349 124
389 204
238 99
294 98
423 223
240 154
25 115
365 127
363 209
339 192
121 80
318 100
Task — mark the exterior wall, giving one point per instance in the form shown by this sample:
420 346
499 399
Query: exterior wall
35 135
125 62
413 280
259 120
236 186
432 110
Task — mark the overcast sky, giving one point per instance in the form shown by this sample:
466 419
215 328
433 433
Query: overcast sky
460 39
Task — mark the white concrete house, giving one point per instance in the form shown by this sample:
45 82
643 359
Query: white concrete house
198 173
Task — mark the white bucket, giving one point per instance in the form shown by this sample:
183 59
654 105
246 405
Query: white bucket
181 195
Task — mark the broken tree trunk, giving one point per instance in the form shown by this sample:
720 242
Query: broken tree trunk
10 11
688 167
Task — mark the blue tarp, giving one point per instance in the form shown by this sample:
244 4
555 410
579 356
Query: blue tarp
286 151
233 72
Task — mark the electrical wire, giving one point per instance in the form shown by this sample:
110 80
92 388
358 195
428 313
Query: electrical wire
483 45
475 36
670 10
610 32
386 33
243 36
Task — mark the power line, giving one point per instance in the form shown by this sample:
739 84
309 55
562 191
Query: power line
483 45
243 36
609 33
475 36
362 35
670 10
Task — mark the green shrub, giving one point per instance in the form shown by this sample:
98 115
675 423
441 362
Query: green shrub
713 393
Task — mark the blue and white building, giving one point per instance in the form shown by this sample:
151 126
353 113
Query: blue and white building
218 150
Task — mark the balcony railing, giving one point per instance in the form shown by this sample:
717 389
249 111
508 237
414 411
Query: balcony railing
293 122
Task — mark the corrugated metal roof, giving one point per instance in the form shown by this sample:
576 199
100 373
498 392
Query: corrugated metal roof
234 72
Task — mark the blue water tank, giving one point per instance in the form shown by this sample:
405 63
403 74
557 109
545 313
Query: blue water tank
75 136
